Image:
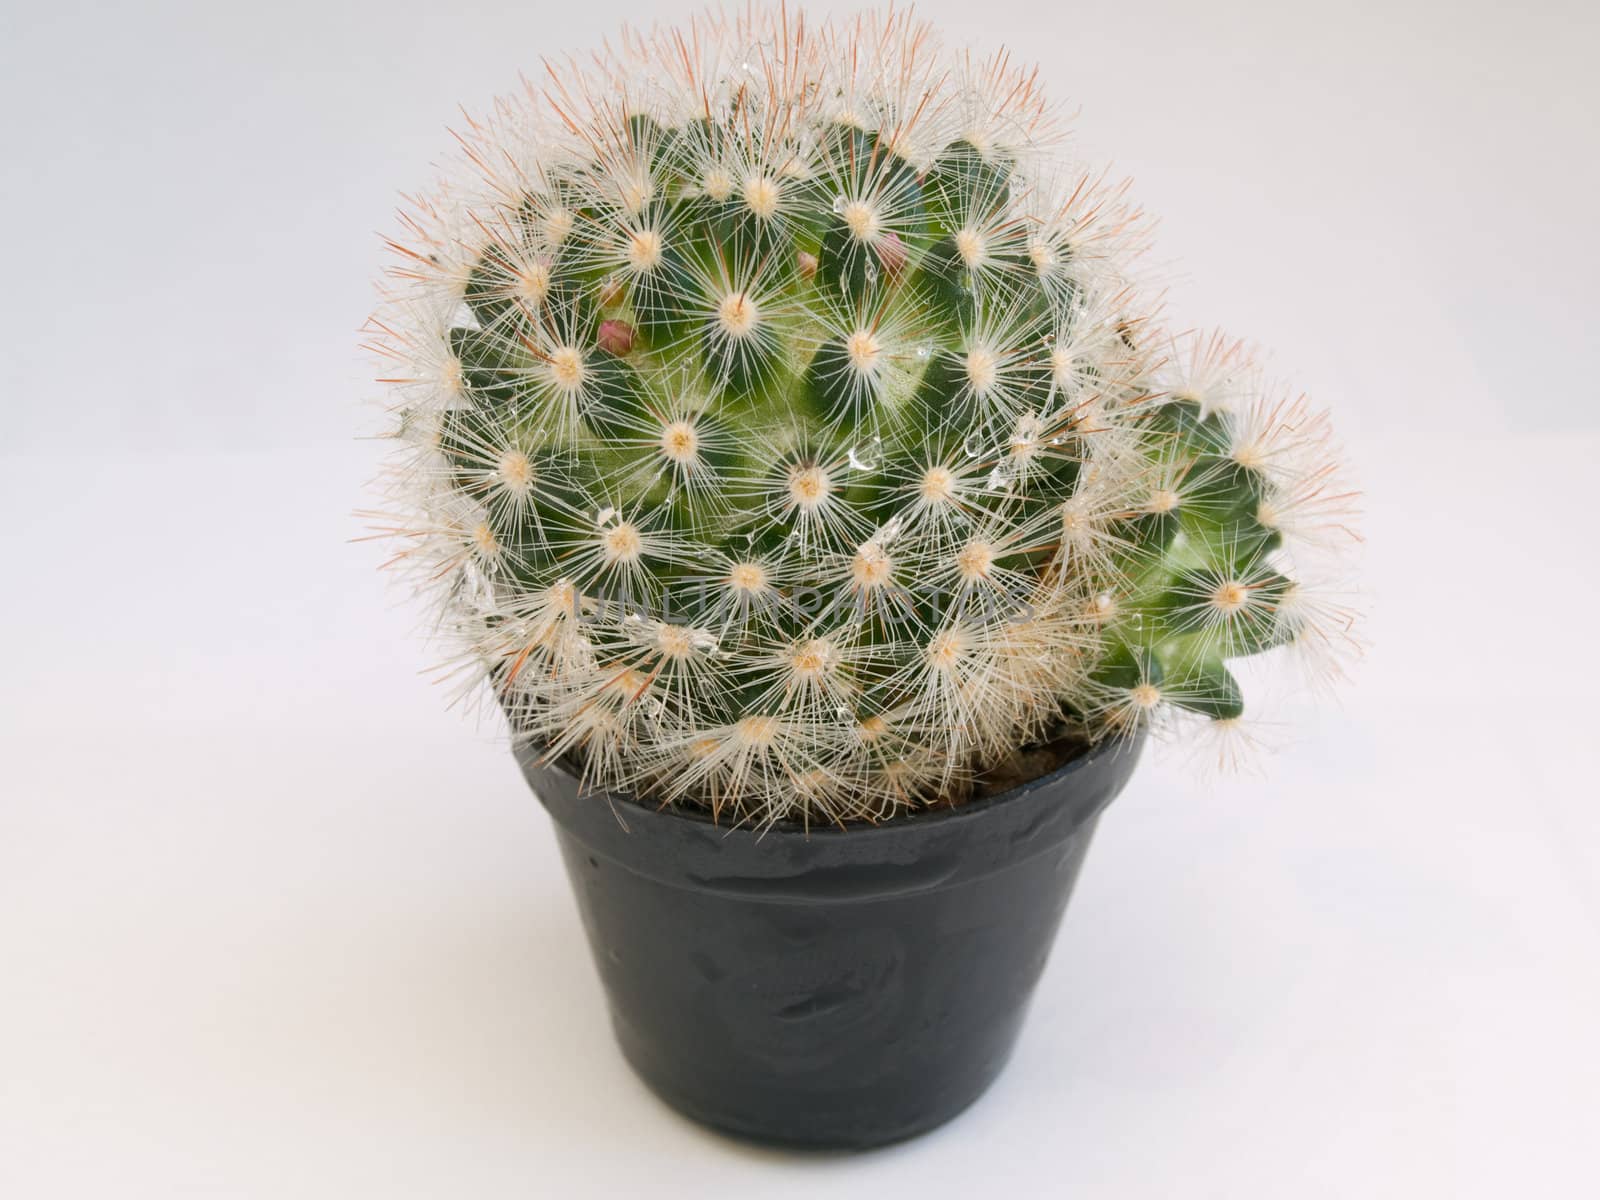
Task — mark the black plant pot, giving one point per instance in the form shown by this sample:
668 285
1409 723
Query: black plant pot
830 989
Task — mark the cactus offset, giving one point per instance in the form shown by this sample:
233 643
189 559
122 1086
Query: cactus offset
782 432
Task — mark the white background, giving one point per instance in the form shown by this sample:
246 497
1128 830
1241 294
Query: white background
274 924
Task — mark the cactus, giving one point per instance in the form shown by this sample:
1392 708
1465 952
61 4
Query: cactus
782 431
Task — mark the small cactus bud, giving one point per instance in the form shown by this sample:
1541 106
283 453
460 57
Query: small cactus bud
616 337
807 264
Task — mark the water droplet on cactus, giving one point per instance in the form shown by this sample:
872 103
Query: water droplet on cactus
604 516
923 351
838 205
861 460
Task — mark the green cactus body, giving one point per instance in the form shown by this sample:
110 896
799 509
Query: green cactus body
798 454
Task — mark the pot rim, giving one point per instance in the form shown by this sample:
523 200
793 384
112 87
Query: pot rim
1106 748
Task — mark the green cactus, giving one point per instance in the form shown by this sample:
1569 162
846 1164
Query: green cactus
797 453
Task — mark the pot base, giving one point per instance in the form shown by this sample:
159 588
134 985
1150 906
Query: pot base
819 1141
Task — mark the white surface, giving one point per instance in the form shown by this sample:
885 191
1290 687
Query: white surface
272 924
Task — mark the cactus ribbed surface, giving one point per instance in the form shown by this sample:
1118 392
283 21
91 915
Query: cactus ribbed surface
782 430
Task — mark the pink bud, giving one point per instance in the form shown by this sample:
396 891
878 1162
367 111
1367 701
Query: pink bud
808 265
892 254
616 337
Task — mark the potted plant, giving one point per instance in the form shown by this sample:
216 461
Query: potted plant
784 440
